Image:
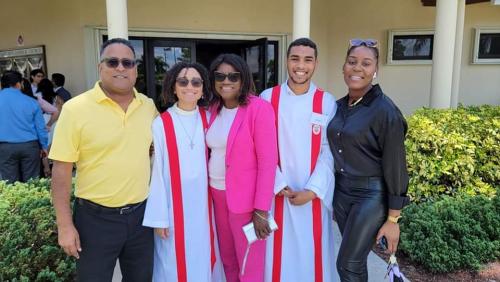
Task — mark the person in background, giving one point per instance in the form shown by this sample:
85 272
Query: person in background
23 137
58 79
366 138
36 76
242 166
44 105
46 94
26 89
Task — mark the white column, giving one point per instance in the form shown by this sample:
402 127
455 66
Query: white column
457 61
442 56
301 18
116 12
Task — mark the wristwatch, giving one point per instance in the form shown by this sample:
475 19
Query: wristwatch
394 219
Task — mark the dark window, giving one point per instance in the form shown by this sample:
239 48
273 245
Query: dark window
272 64
412 47
489 46
156 55
140 84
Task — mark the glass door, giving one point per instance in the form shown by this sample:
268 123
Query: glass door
255 54
162 55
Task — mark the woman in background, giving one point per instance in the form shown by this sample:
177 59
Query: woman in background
46 92
50 114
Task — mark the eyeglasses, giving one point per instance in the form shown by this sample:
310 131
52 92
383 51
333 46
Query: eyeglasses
232 76
195 82
356 42
115 62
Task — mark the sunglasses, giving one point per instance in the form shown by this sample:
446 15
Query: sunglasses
232 76
356 42
115 62
195 82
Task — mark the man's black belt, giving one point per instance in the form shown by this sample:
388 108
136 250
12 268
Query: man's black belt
127 209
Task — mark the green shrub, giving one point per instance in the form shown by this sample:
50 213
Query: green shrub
28 239
453 152
461 232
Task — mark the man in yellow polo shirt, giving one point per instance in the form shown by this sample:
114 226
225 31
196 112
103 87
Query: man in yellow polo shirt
106 131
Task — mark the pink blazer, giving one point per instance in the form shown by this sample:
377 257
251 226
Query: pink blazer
251 157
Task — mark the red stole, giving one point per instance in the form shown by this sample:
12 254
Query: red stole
316 203
178 209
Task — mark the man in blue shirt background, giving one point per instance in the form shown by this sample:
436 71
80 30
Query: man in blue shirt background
23 136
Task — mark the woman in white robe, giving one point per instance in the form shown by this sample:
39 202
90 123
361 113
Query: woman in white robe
179 207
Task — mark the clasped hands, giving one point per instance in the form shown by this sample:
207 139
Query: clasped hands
297 198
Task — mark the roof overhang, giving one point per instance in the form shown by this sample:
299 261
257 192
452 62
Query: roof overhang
433 2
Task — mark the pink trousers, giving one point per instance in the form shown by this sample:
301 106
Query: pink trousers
233 243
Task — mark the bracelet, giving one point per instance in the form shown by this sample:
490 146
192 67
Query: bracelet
260 216
394 219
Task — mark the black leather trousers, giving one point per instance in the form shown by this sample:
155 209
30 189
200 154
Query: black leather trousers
360 208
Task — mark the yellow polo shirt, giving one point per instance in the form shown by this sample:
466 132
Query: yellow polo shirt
109 146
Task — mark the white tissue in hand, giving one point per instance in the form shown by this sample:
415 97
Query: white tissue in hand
249 230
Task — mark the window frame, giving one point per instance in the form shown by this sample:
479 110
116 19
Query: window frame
475 50
407 32
26 52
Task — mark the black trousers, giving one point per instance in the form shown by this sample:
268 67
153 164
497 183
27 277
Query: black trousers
360 208
19 161
106 236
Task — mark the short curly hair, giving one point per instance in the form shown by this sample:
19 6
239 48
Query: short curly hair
168 97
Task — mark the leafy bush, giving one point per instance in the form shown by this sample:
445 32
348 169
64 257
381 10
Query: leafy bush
28 238
453 152
460 232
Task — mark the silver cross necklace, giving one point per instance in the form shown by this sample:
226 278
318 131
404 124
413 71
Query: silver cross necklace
190 137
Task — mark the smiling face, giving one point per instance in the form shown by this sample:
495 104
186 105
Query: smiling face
228 90
188 95
119 80
301 63
359 68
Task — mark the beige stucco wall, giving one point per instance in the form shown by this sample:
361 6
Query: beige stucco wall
409 85
53 23
59 25
479 84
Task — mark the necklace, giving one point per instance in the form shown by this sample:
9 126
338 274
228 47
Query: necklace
190 137
356 102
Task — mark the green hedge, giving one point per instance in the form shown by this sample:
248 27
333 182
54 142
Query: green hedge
461 232
28 239
453 152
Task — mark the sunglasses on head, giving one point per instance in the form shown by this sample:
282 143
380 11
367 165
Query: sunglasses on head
232 76
115 62
356 42
195 82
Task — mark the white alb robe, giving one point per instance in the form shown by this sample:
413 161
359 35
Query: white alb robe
159 209
295 116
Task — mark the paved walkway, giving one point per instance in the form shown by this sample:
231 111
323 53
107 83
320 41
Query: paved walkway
376 266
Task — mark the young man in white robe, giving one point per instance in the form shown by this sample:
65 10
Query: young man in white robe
179 204
302 249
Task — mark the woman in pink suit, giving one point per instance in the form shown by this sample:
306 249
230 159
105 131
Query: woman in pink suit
242 166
